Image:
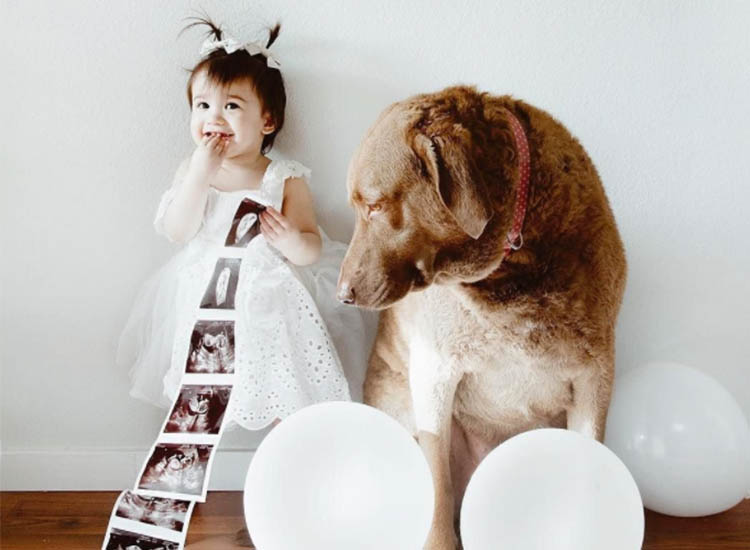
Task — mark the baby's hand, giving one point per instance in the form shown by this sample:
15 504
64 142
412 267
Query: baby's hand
279 231
208 155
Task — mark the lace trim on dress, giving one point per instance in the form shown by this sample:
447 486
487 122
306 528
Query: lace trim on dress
281 170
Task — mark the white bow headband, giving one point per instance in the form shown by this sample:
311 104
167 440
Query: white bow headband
231 45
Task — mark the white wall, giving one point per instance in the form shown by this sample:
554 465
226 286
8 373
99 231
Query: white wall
95 122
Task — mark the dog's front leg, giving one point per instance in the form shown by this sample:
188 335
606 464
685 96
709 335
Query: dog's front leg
592 390
433 385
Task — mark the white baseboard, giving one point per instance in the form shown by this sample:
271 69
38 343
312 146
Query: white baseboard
103 470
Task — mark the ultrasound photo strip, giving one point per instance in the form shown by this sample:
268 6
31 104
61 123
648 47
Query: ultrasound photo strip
223 285
121 539
211 348
199 409
180 461
245 226
177 470
155 515
147 522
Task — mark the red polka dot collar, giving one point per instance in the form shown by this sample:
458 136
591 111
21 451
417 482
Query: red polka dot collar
514 239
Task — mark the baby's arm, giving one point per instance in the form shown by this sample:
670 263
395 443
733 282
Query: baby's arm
294 231
184 214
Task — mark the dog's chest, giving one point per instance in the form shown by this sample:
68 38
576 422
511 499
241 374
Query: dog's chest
438 319
502 375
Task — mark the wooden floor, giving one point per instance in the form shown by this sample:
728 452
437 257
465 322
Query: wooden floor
73 521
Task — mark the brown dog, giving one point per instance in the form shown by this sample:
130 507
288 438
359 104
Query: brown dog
474 346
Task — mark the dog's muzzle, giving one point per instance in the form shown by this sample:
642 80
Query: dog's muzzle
345 294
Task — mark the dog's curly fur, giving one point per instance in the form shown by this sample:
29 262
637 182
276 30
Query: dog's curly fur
494 346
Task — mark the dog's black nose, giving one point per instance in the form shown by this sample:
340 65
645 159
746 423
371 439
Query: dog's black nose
345 294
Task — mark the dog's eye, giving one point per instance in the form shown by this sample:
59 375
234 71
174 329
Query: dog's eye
373 208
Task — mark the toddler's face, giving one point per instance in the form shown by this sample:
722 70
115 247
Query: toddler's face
233 111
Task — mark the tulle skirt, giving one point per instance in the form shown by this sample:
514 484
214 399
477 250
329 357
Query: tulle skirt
146 343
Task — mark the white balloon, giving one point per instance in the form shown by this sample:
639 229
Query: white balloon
552 489
337 476
683 437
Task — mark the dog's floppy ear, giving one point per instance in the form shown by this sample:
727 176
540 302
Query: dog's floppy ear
452 170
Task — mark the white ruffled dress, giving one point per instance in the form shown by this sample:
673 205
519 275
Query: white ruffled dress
291 334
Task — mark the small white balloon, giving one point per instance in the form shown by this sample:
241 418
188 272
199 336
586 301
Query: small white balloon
684 438
337 476
552 489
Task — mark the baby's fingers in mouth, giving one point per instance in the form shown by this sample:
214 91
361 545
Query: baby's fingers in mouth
220 135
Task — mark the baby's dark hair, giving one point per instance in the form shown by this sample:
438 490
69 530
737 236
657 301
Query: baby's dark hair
223 68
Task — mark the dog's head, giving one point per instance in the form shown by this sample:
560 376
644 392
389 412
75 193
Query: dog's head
420 201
